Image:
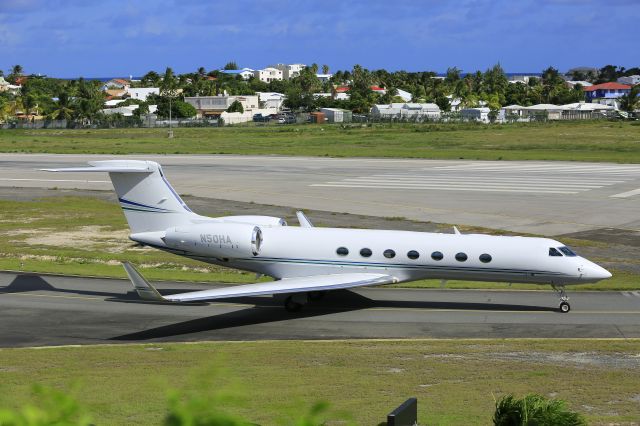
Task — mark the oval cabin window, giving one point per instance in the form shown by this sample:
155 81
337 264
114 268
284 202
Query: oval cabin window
436 255
342 251
413 255
461 257
389 254
485 258
365 252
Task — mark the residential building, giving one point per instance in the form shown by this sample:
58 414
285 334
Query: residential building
548 111
116 83
289 71
114 93
572 83
398 110
245 73
268 74
271 100
4 84
480 114
631 80
324 77
339 96
611 91
127 111
142 93
213 106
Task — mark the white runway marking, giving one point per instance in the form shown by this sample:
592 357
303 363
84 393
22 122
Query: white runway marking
626 194
489 182
543 168
631 293
54 180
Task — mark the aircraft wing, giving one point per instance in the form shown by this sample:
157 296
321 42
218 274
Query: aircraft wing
288 285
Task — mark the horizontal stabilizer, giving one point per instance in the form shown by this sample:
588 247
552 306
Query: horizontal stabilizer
110 166
284 286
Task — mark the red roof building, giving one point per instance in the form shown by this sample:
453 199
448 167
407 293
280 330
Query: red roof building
606 86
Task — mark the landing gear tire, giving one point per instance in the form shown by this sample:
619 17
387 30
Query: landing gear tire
292 306
564 299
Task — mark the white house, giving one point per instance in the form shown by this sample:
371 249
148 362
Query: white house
289 71
554 112
399 110
4 84
142 93
116 83
208 106
572 83
271 100
245 73
475 114
268 74
631 80
324 77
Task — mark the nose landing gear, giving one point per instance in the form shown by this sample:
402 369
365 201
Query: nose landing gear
564 299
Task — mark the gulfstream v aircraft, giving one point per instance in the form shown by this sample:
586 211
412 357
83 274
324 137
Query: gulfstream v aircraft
306 261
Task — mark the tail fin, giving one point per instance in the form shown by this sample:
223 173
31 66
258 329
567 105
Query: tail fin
146 197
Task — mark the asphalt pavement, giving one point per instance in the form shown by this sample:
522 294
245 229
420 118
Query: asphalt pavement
542 197
39 310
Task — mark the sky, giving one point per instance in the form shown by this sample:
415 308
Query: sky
111 38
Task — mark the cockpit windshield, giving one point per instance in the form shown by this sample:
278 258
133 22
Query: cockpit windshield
560 251
567 251
554 252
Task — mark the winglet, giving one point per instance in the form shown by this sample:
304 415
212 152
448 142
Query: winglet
304 221
456 231
145 290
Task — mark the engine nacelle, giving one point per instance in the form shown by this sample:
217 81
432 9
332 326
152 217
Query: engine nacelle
256 220
216 239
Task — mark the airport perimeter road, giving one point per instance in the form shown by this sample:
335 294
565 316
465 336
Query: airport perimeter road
47 310
548 198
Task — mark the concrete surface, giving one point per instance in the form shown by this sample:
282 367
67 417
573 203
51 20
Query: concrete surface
549 198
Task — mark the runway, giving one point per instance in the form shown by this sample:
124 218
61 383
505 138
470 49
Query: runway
52 310
549 198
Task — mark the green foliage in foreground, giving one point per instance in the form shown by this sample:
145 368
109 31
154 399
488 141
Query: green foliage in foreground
569 141
534 410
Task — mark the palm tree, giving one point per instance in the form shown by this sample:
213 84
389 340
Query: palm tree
631 101
325 69
17 70
63 109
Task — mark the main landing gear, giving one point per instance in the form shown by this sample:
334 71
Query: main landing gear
295 302
564 299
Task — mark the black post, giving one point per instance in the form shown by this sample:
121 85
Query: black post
404 415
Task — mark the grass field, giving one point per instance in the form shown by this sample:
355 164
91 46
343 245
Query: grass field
572 141
89 237
272 382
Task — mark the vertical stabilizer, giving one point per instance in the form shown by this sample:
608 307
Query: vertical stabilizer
147 199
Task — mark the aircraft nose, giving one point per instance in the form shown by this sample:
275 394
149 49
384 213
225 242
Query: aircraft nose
596 272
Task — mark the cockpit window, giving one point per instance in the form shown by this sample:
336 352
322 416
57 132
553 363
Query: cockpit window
554 252
567 251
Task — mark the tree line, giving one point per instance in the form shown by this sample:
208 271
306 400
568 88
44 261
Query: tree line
81 101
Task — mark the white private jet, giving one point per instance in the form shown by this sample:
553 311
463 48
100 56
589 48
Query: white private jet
306 261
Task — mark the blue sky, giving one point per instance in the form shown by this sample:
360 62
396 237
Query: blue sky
116 38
